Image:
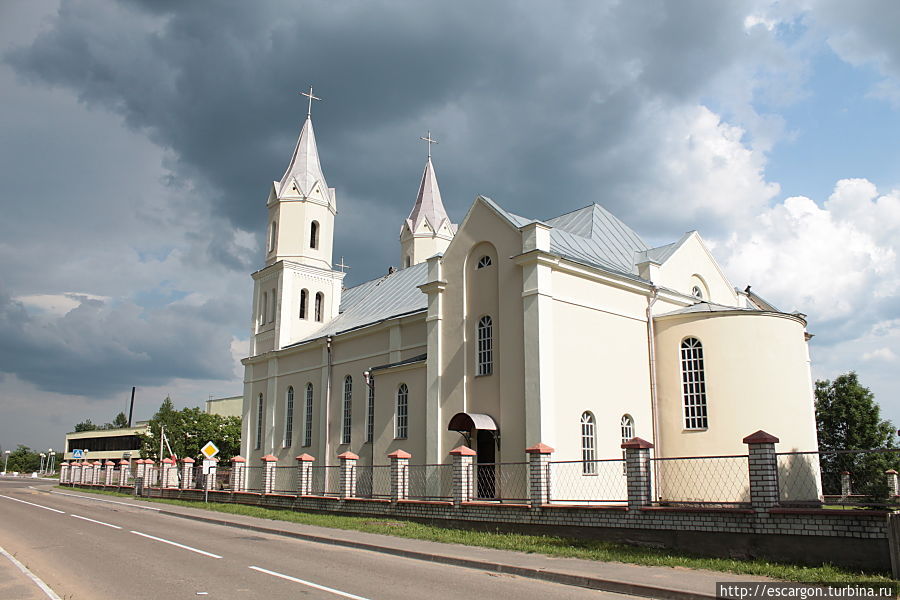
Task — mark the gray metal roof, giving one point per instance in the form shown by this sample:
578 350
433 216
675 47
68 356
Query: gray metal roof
378 300
710 307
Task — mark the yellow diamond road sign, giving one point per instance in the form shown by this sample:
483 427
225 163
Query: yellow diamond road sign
209 450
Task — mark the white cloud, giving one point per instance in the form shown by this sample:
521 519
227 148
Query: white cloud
883 354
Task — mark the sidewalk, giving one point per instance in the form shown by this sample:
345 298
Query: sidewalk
655 582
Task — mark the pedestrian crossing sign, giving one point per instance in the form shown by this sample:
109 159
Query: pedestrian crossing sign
77 453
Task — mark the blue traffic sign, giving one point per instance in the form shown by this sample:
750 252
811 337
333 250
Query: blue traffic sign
77 454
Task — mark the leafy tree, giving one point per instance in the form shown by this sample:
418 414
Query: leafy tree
86 425
120 422
24 460
848 418
188 430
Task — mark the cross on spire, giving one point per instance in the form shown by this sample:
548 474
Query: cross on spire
342 265
430 141
311 98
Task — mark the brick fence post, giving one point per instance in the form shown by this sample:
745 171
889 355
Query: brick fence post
304 474
463 476
87 469
348 474
151 473
95 475
637 472
399 475
763 465
124 471
539 474
892 482
63 472
846 488
269 464
139 469
187 473
75 473
238 474
169 473
109 467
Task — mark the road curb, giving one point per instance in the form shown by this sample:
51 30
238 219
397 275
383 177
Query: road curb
595 583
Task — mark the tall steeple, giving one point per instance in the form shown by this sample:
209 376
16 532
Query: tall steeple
304 178
428 230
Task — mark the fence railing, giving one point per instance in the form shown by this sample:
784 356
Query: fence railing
706 480
430 482
326 481
839 477
593 481
504 482
255 479
373 481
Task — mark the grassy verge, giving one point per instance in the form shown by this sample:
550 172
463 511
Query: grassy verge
548 545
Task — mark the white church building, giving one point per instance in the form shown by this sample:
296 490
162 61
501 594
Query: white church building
505 331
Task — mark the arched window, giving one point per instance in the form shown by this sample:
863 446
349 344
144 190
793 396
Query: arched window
260 415
314 234
273 235
289 418
370 410
401 420
484 261
274 299
348 405
308 425
320 304
485 356
627 426
304 302
588 444
693 384
696 292
263 308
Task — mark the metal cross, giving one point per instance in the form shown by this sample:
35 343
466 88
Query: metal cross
430 141
342 265
311 98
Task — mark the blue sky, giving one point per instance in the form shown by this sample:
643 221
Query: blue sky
139 140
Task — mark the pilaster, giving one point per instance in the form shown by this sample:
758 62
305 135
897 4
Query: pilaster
434 426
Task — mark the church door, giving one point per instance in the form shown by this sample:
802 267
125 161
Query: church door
486 458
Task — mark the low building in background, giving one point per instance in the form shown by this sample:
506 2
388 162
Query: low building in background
106 444
225 407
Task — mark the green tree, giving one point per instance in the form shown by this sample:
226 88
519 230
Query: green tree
188 430
86 425
120 422
848 418
24 460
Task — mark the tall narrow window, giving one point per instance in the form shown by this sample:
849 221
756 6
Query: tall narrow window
693 384
274 306
304 302
408 261
314 234
260 415
370 410
320 305
485 346
402 418
308 425
588 444
273 235
289 418
348 405
627 426
263 308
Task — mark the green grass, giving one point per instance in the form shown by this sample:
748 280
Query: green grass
549 545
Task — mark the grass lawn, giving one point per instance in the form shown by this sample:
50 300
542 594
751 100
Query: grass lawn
549 545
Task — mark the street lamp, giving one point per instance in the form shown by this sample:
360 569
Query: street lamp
43 456
5 462
52 459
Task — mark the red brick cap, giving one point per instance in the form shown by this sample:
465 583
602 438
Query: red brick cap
238 459
123 462
348 455
760 437
540 448
399 454
168 461
463 451
306 457
64 464
188 460
637 443
97 463
891 472
269 458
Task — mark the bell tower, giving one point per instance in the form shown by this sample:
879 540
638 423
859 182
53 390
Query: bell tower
297 291
428 230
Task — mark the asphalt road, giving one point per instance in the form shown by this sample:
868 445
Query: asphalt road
97 549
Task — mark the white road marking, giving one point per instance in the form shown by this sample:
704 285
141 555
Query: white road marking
62 512
37 580
107 501
308 583
93 521
152 537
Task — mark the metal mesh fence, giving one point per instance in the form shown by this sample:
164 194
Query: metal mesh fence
595 481
255 478
840 477
373 481
430 482
286 481
702 480
326 481
506 482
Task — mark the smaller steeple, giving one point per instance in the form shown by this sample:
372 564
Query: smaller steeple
428 230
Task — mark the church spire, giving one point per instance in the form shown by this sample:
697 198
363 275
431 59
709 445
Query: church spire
304 170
